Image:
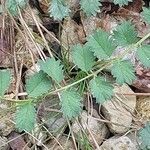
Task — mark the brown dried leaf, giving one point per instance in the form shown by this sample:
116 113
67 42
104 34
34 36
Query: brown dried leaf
143 79
17 142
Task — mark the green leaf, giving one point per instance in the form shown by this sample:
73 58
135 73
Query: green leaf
53 68
58 9
5 78
90 7
1 9
25 117
125 34
38 84
101 44
145 14
83 57
123 71
143 54
12 6
70 103
144 135
101 89
122 2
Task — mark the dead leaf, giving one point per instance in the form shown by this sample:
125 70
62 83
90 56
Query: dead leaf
17 142
142 82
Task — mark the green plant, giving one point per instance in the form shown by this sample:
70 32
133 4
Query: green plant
144 135
59 8
100 45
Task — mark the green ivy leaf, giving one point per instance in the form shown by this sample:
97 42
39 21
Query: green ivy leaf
101 44
123 71
125 34
53 68
25 117
5 78
90 7
58 9
12 6
144 135
38 84
70 103
143 54
101 89
83 57
145 14
122 2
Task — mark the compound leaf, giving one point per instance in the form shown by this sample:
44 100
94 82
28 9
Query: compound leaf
123 71
125 34
53 68
5 78
145 14
83 57
102 90
101 44
144 136
122 2
25 117
90 7
12 5
58 9
38 84
143 54
70 103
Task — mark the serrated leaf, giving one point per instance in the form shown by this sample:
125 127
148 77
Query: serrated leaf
58 9
123 71
122 2
145 14
38 84
101 89
25 117
90 7
143 54
12 5
101 44
144 136
125 34
83 57
5 78
70 103
53 68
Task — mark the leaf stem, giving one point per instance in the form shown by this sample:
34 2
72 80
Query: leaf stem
88 76
142 40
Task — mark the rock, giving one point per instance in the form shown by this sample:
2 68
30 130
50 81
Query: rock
66 143
98 129
3 143
118 143
134 139
119 110
49 113
128 101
